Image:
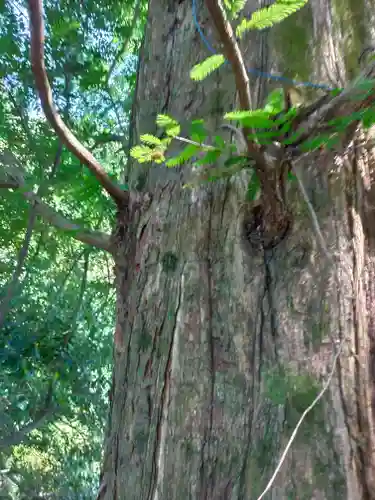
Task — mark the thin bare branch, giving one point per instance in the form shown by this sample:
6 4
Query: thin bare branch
45 94
94 238
46 412
312 212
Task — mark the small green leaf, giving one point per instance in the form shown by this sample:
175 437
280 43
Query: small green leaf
253 187
197 131
209 158
316 142
173 131
368 118
233 7
291 177
150 140
142 153
172 127
335 92
252 119
275 101
219 141
165 121
203 69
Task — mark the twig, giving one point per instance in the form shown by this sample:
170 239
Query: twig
313 215
292 437
189 141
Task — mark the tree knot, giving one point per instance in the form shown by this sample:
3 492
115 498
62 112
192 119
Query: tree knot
264 227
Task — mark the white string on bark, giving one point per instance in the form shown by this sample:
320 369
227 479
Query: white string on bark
308 409
312 214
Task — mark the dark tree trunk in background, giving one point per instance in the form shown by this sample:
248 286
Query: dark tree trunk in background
220 350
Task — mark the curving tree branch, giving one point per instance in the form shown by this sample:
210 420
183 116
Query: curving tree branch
41 417
45 94
233 55
12 177
93 238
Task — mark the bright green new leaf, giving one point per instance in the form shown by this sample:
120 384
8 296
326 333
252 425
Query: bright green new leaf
150 140
142 153
165 121
173 131
270 15
275 101
234 7
203 69
172 127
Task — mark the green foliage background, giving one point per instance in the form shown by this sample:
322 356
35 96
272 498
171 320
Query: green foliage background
56 339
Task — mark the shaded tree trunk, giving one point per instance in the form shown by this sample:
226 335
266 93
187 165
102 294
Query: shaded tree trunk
218 348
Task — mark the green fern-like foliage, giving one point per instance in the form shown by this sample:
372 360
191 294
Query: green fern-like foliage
171 126
275 101
268 16
259 118
186 154
209 158
145 154
204 68
234 7
197 131
152 149
151 140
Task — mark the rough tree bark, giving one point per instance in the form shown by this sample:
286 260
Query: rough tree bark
220 349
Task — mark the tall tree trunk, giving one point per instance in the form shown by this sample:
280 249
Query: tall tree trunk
220 348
